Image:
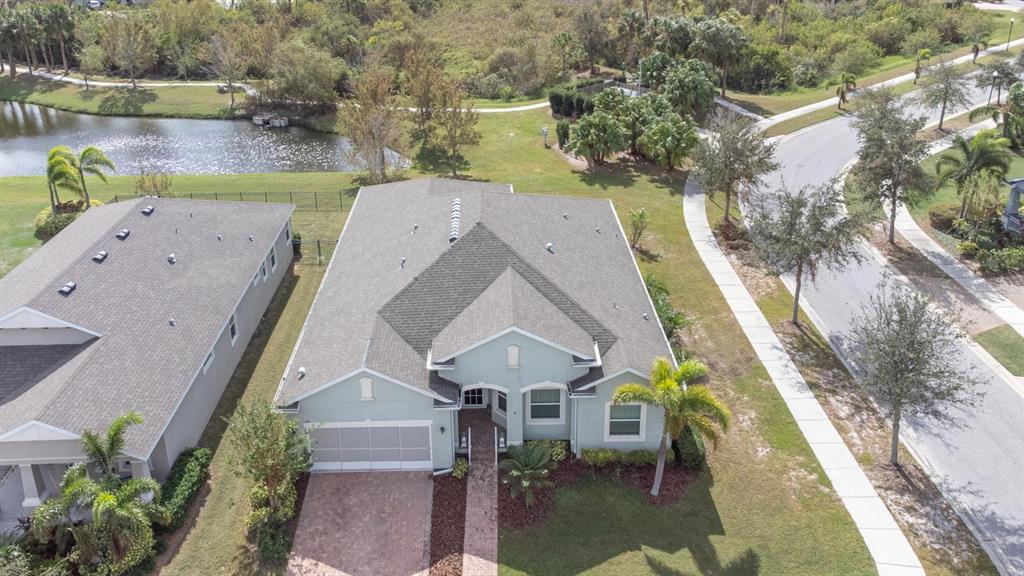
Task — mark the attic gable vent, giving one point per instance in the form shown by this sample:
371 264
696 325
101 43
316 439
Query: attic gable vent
100 256
456 216
123 233
148 210
67 289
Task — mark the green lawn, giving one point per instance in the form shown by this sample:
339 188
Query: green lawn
171 101
1006 346
764 504
886 68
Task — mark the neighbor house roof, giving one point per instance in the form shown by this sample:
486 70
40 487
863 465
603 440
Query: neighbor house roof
399 288
139 361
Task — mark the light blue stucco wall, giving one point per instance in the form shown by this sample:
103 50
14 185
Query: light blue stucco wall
590 420
341 403
538 362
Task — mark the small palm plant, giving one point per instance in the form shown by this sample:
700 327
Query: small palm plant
527 468
685 406
986 151
847 84
103 451
977 45
922 55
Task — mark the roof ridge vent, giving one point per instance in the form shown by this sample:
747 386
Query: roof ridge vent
67 288
456 217
100 256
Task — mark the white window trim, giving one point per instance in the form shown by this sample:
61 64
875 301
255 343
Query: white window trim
255 279
483 401
365 389
233 322
209 361
512 356
608 437
263 270
497 403
273 258
288 230
546 421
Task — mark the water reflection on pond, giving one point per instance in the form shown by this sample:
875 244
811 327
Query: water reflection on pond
172 145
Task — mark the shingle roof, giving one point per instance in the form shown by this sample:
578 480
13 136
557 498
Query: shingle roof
140 362
397 288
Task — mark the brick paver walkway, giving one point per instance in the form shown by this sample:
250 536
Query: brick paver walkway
373 523
480 547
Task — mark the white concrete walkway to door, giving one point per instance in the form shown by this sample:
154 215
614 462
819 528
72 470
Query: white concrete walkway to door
886 543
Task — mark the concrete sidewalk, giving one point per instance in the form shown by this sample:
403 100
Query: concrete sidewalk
890 549
907 227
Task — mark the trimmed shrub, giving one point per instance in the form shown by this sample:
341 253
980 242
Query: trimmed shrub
274 542
968 249
67 212
603 457
1003 260
639 458
559 449
555 99
562 132
691 452
460 469
186 478
942 216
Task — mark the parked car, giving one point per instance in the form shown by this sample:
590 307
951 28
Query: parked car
95 4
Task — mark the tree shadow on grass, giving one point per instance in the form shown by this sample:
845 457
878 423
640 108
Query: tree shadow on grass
126 102
24 86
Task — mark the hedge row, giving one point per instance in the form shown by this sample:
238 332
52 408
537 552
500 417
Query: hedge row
186 478
601 457
570 102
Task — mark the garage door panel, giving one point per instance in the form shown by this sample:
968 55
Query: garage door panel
415 454
324 438
356 455
385 437
326 455
386 454
375 447
415 437
355 438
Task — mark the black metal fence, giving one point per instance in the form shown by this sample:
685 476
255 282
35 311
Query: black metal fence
315 201
316 252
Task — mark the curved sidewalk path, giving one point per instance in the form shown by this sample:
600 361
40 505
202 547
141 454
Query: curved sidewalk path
908 228
890 549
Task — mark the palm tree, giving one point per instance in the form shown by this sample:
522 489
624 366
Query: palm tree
685 406
922 54
986 151
126 514
91 160
526 469
1010 115
103 452
847 84
977 45
60 174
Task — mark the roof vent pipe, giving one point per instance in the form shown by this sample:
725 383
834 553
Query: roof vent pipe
550 247
456 216
172 258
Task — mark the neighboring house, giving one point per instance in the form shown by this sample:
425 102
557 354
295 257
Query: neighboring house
445 296
154 322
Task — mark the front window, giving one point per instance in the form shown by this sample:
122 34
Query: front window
502 402
233 329
473 397
273 259
209 361
263 271
624 421
546 405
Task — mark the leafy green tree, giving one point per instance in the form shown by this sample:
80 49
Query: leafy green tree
997 75
304 74
526 469
8 39
638 221
690 87
592 35
909 356
130 42
91 61
986 151
945 87
103 451
719 43
669 139
847 84
804 230
229 58
736 159
272 452
610 101
596 137
457 122
568 51
684 405
654 68
889 167
631 27
373 123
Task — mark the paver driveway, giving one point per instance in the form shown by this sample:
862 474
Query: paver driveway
373 523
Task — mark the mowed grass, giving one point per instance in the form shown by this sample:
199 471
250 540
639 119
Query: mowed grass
1006 346
887 68
764 505
167 101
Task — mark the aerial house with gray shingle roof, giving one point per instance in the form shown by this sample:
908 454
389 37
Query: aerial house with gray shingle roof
445 297
142 306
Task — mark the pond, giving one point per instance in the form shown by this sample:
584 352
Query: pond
170 145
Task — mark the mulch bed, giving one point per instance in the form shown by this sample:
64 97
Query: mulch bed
514 514
447 526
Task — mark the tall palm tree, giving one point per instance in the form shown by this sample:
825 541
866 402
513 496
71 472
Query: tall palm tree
685 406
986 151
91 160
104 451
60 174
847 84
922 54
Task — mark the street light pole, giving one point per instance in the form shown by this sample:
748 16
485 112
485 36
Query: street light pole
992 87
1009 35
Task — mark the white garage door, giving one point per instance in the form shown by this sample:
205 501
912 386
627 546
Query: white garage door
371 446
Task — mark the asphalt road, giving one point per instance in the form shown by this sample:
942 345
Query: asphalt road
979 464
